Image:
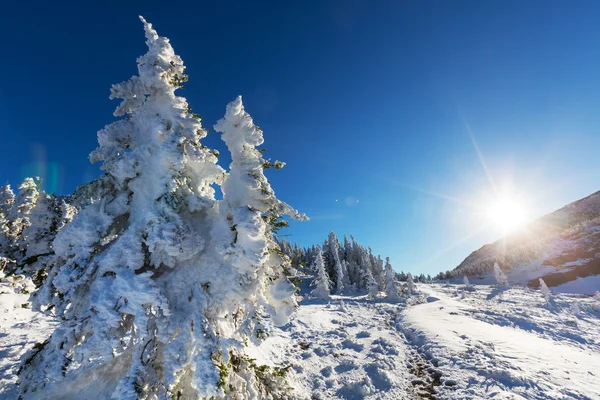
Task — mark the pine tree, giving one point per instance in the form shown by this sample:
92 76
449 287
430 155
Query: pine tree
339 272
410 285
545 291
321 282
159 284
48 216
7 199
499 275
466 281
391 289
17 217
372 285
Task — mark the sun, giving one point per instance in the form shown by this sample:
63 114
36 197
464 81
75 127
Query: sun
507 214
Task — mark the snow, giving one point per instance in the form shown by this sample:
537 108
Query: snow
589 284
509 346
20 329
443 341
340 350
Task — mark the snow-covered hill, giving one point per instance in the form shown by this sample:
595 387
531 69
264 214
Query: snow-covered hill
562 247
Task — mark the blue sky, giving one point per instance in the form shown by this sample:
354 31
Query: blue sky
376 106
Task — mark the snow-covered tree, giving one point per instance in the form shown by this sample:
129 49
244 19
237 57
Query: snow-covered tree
17 217
499 275
321 282
391 289
333 247
575 309
372 285
5 239
7 199
545 291
159 284
410 285
377 269
466 281
48 216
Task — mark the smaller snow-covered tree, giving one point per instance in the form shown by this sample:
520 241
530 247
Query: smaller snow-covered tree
16 219
391 290
321 284
466 281
372 285
545 291
7 199
501 279
410 285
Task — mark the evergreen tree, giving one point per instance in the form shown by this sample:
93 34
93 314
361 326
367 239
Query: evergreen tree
372 285
321 282
499 275
17 217
339 272
158 283
410 285
7 199
545 291
391 289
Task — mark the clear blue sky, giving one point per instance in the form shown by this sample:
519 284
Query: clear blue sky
370 104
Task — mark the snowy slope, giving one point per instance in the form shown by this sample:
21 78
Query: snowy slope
562 247
20 329
508 345
443 343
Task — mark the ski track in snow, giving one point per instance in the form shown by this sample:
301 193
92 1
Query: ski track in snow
491 344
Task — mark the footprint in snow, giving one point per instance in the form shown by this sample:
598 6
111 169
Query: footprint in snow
345 366
351 344
379 378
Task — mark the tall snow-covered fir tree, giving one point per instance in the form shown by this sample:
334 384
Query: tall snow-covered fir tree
159 284
321 284
250 253
333 248
391 289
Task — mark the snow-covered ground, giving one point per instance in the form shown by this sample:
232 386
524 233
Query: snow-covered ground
510 344
444 342
20 329
347 348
